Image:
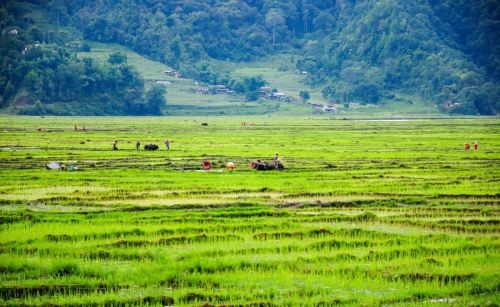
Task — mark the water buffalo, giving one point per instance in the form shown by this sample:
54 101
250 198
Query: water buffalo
265 166
150 147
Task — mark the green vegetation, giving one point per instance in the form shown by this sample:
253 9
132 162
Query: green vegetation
366 212
443 53
429 48
182 95
46 79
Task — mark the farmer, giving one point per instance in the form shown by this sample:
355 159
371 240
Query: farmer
277 162
230 166
76 128
206 165
115 147
476 145
467 146
167 144
277 159
137 145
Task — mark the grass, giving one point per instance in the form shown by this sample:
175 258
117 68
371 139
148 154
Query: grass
279 70
281 73
366 212
182 97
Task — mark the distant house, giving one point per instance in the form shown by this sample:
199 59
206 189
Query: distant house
450 104
74 44
447 104
163 82
221 89
329 109
169 72
215 89
315 104
265 90
203 90
11 31
279 96
29 47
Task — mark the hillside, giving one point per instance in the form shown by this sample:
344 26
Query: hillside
183 97
441 54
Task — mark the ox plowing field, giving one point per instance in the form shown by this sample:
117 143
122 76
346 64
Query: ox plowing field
366 213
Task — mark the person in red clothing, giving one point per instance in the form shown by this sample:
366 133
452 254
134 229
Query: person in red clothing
476 145
206 165
467 146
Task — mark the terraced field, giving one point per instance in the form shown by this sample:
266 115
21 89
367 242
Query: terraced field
366 213
182 97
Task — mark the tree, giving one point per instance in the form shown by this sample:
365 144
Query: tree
175 48
117 58
252 86
367 92
274 18
304 95
438 49
58 10
155 99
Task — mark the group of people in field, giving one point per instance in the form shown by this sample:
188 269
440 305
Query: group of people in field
475 144
83 128
276 164
146 147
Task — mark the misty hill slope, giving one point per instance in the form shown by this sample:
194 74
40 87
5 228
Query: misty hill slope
444 53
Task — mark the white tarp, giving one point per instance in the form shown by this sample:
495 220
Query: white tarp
53 165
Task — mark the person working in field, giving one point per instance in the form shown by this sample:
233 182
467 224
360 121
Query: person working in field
277 159
278 163
137 146
115 145
476 145
206 165
230 166
167 144
467 146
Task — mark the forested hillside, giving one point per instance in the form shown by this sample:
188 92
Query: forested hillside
446 52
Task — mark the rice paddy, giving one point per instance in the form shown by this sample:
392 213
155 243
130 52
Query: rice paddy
366 213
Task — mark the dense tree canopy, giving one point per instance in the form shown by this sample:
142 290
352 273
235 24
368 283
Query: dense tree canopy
356 50
440 50
40 75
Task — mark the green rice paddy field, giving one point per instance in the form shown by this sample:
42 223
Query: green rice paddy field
366 213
